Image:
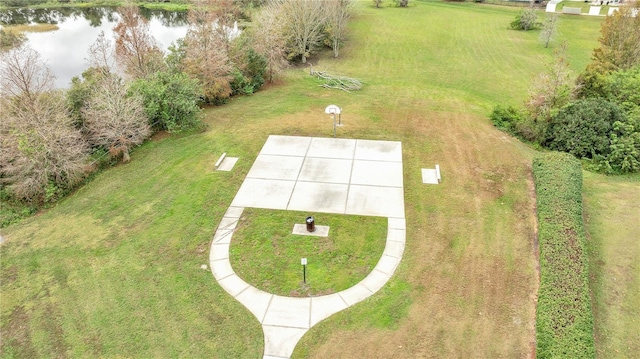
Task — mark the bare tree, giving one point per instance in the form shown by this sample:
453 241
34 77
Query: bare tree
113 119
549 29
41 153
205 55
269 40
225 18
136 50
552 89
377 3
304 23
101 54
338 14
22 73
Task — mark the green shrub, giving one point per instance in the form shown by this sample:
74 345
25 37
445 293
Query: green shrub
583 128
505 118
170 100
564 320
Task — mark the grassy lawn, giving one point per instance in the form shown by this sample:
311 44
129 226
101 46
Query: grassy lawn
265 253
612 209
114 270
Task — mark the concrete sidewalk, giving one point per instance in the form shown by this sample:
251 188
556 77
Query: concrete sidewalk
359 177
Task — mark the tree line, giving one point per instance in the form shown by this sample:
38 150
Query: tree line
51 139
596 116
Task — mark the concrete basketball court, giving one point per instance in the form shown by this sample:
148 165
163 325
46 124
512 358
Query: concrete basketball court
343 176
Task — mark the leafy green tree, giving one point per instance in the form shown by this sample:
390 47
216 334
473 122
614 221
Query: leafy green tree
623 88
170 100
619 50
80 91
583 128
625 149
620 38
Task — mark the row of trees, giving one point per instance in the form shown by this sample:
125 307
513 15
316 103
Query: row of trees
50 140
597 116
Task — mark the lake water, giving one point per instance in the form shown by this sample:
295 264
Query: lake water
65 50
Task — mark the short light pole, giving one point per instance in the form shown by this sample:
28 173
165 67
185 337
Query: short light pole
303 261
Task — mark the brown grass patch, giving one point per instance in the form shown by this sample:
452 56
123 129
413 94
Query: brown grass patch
470 246
32 28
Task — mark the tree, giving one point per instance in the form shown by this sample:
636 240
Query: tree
303 26
101 54
170 100
552 89
269 39
113 119
402 3
377 3
23 75
205 56
619 50
136 50
620 39
526 20
338 14
225 18
549 29
41 154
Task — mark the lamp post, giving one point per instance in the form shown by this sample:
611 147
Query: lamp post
303 261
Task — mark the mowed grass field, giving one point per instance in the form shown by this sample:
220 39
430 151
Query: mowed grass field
612 207
114 270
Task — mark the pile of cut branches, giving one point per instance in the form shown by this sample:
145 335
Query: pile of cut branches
337 82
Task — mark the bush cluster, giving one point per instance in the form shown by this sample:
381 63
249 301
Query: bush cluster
564 318
602 128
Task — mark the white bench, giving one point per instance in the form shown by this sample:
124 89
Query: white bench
572 10
551 7
594 10
220 160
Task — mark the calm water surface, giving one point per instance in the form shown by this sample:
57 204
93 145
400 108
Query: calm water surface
66 49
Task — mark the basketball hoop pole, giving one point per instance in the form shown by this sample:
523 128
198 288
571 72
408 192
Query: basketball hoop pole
334 110
334 125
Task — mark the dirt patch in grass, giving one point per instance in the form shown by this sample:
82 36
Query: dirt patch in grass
16 339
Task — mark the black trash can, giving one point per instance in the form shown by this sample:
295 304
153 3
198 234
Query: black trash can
311 224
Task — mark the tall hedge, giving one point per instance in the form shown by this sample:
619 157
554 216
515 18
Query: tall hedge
564 320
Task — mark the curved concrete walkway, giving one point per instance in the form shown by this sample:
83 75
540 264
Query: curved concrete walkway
371 187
